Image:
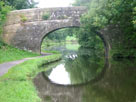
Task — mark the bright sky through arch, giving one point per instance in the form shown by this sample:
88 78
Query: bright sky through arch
54 3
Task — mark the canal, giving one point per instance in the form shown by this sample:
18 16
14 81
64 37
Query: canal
83 75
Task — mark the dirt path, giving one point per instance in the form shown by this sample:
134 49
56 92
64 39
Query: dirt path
6 66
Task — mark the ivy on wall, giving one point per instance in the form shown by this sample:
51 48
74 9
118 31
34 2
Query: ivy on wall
4 9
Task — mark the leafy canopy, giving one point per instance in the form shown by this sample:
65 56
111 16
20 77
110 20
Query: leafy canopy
103 13
21 4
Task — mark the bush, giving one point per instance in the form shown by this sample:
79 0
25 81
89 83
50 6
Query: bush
4 9
63 17
23 18
110 12
46 16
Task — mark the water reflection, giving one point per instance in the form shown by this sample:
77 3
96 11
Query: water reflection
76 67
118 84
59 75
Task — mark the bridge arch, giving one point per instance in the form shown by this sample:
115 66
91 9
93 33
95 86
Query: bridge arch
29 34
103 38
53 30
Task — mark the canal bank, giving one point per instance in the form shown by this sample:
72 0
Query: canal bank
17 86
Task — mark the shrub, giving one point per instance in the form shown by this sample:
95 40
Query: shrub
4 9
23 18
63 17
46 16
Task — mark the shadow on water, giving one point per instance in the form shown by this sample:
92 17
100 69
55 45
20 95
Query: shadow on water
110 81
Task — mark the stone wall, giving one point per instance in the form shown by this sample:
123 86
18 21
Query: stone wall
25 29
36 14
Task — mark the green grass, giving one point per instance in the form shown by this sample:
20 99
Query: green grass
18 91
17 86
72 47
70 38
52 52
52 43
9 53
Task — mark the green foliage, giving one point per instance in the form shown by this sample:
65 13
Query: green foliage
108 12
72 46
17 86
4 9
46 16
21 4
23 18
134 17
81 3
62 17
71 38
2 44
9 53
60 35
7 5
89 39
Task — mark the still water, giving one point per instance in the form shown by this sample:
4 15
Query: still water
83 75
77 66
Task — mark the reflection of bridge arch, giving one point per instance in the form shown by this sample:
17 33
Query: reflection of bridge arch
93 81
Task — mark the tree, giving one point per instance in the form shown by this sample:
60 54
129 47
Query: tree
81 3
108 12
60 35
21 4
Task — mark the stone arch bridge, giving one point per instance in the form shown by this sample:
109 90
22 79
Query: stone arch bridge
25 29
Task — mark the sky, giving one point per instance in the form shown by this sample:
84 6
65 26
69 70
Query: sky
53 3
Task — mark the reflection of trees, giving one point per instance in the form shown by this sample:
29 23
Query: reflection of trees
118 85
84 67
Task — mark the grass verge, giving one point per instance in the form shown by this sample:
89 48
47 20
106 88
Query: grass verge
17 86
9 53
52 52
